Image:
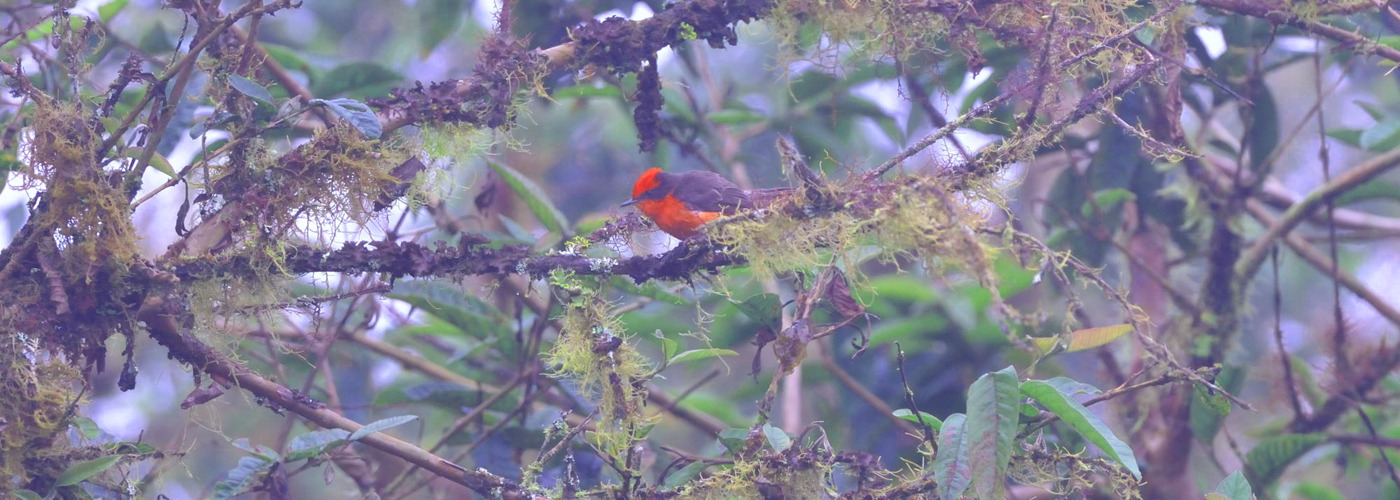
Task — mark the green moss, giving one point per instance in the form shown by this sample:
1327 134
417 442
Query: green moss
596 353
86 210
35 399
804 479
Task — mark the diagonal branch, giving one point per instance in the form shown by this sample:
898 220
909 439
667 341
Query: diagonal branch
163 326
1253 257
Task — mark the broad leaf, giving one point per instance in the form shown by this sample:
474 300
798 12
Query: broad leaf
357 114
1377 189
1209 408
85 427
1270 457
438 20
1263 131
360 79
1383 136
1079 417
952 471
1235 487
1072 387
764 308
992 415
1087 338
534 198
81 471
777 438
110 9
250 88
734 117
929 420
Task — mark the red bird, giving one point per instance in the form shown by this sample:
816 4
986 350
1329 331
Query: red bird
680 203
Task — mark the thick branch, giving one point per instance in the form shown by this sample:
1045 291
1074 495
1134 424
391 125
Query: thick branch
472 257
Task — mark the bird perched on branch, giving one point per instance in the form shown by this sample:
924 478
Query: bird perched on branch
680 203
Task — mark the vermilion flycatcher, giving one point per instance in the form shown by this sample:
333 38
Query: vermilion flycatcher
680 203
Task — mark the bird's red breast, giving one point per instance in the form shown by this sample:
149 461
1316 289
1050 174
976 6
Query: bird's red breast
680 203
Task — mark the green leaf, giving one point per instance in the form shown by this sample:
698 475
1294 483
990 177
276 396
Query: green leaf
535 198
734 117
734 439
162 165
1107 200
380 425
777 438
81 471
929 420
241 477
1263 131
1080 340
699 354
1317 491
357 113
651 290
1383 136
669 347
85 427
1270 457
1235 487
683 476
288 58
992 404
952 471
1208 408
438 20
914 330
251 89
110 9
361 78
27 495
587 90
315 443
1375 189
470 323
896 288
1146 35
1071 387
1079 417
764 308
1377 113
1348 136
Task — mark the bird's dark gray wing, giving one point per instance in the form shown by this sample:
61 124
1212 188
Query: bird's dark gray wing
708 192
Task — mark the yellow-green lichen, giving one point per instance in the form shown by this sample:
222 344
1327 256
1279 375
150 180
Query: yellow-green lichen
36 396
595 352
741 480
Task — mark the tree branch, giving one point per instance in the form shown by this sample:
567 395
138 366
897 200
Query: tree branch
1253 257
164 328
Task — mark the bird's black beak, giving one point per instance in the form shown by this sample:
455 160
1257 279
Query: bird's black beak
629 203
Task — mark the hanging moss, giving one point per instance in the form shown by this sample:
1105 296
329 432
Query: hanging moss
594 351
35 399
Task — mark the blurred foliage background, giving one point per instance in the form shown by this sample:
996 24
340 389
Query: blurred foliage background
1147 210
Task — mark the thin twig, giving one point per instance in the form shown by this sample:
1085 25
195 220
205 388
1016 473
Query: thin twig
924 427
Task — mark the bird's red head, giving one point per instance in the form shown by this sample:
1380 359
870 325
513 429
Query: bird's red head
646 182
